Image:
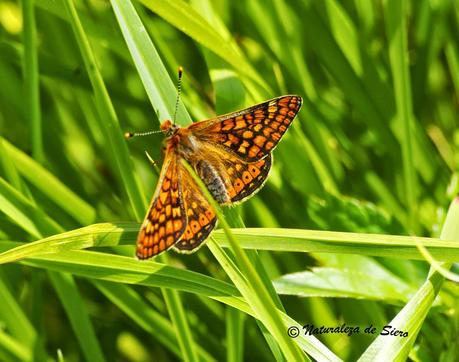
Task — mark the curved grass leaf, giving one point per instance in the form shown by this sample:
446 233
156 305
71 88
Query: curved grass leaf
14 318
308 343
12 349
156 80
131 303
398 55
108 120
344 283
413 314
126 270
295 240
185 18
49 185
31 77
73 303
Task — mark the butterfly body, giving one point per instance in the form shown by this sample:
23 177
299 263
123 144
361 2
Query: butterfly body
230 153
187 146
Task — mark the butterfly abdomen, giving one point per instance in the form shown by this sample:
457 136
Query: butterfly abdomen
213 181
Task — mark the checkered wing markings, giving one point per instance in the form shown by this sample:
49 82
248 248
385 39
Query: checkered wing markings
246 178
165 221
201 218
254 132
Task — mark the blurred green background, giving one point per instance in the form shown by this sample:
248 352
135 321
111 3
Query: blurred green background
373 150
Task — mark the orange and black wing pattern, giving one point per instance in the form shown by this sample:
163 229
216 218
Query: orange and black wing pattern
201 218
254 132
242 179
165 222
248 178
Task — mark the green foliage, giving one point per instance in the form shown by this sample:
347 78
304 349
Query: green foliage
370 160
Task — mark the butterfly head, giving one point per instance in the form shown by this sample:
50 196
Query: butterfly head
168 127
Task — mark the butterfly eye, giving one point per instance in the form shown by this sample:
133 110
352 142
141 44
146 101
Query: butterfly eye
166 126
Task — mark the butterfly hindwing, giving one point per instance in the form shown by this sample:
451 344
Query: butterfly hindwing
201 218
248 178
227 176
254 132
166 219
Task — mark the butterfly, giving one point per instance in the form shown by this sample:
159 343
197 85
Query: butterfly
230 153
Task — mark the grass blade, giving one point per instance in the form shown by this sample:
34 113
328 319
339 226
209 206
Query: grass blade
185 18
151 321
107 117
68 293
31 77
395 13
14 318
47 183
12 349
234 335
413 314
292 240
255 292
160 89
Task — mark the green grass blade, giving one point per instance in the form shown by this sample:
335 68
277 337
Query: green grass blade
31 77
452 56
68 293
155 79
412 316
47 183
255 292
345 283
182 329
123 269
107 116
12 349
395 13
185 18
94 235
14 318
147 318
24 213
294 240
312 241
234 335
10 170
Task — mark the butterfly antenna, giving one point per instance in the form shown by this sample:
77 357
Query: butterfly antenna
128 135
179 91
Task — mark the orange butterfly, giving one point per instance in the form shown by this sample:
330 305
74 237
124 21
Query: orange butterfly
230 153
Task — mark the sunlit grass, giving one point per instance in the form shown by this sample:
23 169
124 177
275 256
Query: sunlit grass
365 175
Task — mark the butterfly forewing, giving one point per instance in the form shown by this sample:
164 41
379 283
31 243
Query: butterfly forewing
166 219
254 132
201 218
